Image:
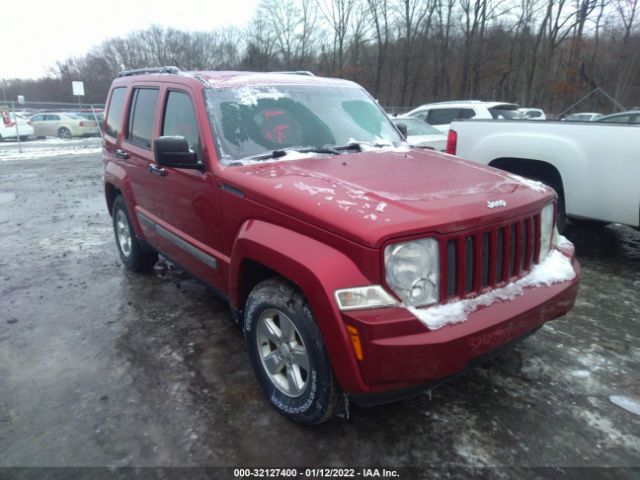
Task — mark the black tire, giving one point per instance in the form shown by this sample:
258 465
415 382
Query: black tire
591 224
277 300
24 138
134 255
64 132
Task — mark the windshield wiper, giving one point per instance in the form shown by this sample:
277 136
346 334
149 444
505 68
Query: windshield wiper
283 152
358 146
328 149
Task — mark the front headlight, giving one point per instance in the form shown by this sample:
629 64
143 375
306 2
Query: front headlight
413 271
547 229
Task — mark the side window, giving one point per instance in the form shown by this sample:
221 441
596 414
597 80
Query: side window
37 118
116 109
618 119
141 116
466 113
180 118
443 116
52 118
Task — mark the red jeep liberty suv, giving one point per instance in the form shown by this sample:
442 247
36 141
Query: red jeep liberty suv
359 268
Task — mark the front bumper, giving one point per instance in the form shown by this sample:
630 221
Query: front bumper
400 352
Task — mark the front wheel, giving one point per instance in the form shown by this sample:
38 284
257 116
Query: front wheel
65 133
133 254
288 354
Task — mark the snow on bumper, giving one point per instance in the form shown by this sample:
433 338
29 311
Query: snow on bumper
400 352
556 268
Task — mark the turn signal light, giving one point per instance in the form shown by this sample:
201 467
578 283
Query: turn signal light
355 342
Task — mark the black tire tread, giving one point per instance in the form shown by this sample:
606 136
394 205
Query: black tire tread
280 288
142 259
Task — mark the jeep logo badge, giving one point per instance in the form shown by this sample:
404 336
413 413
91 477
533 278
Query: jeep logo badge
496 203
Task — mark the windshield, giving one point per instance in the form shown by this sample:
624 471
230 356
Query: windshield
417 127
252 121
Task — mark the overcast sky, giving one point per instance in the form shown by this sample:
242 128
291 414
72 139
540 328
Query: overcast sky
36 33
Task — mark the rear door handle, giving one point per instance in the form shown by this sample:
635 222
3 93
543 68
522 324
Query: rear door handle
122 154
159 171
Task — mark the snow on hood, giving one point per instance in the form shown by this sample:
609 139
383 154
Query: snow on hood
388 191
555 268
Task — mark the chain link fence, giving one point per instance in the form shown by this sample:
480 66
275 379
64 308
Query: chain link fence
13 115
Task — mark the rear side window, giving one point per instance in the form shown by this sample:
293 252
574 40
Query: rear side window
503 114
180 118
116 109
141 116
466 113
421 115
618 119
443 116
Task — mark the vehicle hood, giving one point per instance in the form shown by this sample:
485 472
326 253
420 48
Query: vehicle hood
373 196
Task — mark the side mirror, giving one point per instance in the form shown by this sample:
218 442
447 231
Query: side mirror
175 152
403 129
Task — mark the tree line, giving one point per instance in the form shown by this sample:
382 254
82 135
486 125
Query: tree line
538 53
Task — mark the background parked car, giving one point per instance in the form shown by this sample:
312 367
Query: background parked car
421 134
63 125
440 115
532 114
8 126
582 117
632 117
92 116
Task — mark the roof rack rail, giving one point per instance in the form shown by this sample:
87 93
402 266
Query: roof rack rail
142 71
298 72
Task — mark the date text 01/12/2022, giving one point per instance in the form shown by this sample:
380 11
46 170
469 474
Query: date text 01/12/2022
315 473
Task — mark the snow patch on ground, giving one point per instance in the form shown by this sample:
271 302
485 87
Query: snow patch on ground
555 268
28 154
627 403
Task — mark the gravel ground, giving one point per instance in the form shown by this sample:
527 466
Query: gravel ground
101 367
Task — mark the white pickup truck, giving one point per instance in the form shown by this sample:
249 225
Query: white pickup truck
594 167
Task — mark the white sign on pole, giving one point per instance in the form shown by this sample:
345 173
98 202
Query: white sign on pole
78 88
21 99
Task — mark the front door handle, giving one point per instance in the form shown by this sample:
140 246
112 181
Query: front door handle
159 171
122 154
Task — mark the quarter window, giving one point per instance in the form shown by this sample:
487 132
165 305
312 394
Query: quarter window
141 116
465 113
116 109
442 116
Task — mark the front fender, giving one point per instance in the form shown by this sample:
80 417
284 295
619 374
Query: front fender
318 270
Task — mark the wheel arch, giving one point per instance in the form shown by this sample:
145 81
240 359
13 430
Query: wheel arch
111 192
262 250
528 168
